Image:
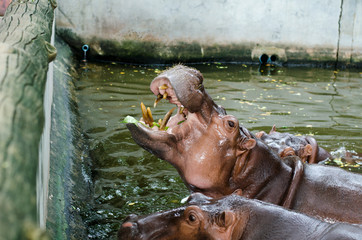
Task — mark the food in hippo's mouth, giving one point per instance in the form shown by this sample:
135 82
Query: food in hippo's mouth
165 91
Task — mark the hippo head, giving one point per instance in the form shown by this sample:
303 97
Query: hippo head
209 149
183 87
286 144
208 219
201 141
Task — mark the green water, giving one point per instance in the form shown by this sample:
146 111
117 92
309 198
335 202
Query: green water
127 179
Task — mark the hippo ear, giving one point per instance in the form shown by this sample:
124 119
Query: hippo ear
308 150
226 219
238 192
260 134
249 144
245 145
273 129
234 226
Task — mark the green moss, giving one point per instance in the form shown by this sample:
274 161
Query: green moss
139 51
144 51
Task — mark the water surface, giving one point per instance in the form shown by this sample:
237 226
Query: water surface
320 102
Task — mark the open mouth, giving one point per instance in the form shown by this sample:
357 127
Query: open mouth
163 90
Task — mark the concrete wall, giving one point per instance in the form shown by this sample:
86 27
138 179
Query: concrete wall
69 192
310 30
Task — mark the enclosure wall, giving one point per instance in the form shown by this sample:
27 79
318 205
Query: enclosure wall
159 30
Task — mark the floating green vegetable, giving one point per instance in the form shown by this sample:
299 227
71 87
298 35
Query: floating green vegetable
129 119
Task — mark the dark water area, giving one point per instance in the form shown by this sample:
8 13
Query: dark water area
323 103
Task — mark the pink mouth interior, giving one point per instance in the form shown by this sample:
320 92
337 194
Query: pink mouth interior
172 98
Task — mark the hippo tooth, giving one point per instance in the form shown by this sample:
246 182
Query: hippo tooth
149 113
144 112
165 95
145 115
163 87
181 109
166 118
158 99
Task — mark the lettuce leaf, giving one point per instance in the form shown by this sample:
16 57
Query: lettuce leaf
129 119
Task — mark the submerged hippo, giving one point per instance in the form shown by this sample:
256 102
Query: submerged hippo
286 144
233 218
216 156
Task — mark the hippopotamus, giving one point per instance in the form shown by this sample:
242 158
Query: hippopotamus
215 155
233 218
286 144
183 86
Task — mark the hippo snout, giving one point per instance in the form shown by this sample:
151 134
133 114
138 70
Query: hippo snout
129 229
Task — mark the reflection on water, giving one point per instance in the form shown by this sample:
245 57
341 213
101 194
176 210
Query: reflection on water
127 179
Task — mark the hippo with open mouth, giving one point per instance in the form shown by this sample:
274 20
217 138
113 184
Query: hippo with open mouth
214 155
232 218
183 86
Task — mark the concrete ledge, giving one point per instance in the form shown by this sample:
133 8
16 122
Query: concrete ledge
70 186
166 31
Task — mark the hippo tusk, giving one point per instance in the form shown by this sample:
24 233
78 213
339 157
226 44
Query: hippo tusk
182 108
147 115
166 118
165 95
163 87
158 99
144 111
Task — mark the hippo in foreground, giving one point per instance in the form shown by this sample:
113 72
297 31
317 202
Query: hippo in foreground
216 156
233 218
183 86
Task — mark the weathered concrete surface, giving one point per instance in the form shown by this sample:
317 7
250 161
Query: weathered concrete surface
159 30
25 52
70 190
350 40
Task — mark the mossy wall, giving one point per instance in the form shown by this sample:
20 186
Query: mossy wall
191 31
70 187
25 52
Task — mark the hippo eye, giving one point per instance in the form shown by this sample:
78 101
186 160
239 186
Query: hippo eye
231 124
192 218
